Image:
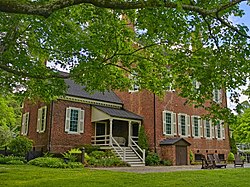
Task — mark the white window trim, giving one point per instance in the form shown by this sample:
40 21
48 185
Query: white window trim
80 124
187 125
173 122
205 129
25 124
219 96
39 120
134 86
222 131
199 126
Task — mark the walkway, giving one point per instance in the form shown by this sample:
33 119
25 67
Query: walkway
152 169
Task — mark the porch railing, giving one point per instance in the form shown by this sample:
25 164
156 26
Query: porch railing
101 140
134 146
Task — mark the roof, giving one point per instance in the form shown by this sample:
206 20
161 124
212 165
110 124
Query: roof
172 141
79 91
120 113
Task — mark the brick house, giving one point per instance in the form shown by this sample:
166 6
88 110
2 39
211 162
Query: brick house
112 120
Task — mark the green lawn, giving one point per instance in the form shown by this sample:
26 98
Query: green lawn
26 175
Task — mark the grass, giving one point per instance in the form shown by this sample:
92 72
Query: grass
26 175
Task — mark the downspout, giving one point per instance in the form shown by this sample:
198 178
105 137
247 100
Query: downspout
154 123
51 122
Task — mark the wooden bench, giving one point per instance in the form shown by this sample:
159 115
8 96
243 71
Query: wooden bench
120 140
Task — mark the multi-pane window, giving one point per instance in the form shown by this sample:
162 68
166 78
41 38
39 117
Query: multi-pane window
196 125
41 119
25 124
169 123
183 125
217 96
134 80
74 122
220 130
207 125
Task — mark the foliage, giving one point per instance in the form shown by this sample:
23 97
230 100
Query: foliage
6 136
98 154
172 44
142 139
166 162
20 146
232 144
90 148
152 159
48 154
54 163
241 129
75 151
69 156
230 157
12 160
191 157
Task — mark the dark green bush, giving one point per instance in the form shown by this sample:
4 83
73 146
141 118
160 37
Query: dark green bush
105 162
152 159
12 160
20 146
90 148
166 162
54 163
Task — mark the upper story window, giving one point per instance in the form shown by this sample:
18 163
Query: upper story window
74 122
25 124
169 123
41 119
196 126
184 124
134 86
217 96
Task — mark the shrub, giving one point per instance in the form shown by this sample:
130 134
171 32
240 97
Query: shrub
90 148
98 154
70 157
191 157
105 162
166 162
142 139
54 163
152 159
230 157
12 160
20 146
75 151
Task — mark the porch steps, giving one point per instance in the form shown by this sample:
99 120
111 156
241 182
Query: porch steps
130 156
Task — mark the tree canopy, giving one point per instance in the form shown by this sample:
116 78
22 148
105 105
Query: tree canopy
100 42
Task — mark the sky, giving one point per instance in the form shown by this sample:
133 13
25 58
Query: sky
246 21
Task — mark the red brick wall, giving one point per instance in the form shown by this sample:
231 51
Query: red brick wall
59 141
142 103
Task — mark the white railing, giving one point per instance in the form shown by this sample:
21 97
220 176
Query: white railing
137 150
118 147
101 140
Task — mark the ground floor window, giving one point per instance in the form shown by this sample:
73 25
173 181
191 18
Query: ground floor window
74 122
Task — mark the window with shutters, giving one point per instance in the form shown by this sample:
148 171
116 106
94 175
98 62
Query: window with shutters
41 119
196 126
219 129
169 123
184 124
217 96
25 124
74 122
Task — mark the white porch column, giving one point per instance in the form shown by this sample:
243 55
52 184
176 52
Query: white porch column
110 131
129 132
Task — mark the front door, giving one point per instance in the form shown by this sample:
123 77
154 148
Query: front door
181 155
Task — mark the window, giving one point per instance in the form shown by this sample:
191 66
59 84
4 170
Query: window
74 122
196 85
169 123
25 124
184 124
208 128
219 130
134 80
217 96
196 126
41 119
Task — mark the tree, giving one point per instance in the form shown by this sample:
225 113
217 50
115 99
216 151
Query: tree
241 130
163 43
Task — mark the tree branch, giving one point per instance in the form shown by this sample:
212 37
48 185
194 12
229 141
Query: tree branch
28 75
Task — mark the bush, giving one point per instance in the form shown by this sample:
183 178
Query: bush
97 154
230 157
70 157
106 162
54 163
142 139
191 157
20 146
166 162
90 148
152 159
12 160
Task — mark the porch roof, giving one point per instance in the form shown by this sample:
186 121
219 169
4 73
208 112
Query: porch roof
119 113
173 141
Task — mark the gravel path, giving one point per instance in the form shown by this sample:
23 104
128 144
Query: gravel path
152 169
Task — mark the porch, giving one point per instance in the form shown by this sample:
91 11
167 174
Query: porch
118 129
